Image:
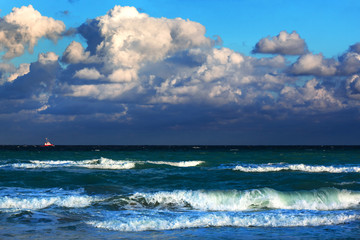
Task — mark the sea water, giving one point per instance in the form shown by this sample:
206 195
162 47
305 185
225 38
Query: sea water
177 192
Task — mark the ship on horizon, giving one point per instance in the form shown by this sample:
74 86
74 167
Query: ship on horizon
48 143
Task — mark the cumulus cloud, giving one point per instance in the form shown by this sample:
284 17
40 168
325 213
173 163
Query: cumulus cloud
23 27
88 73
312 96
23 69
47 58
350 60
353 87
75 53
134 68
314 64
130 39
32 87
284 43
101 91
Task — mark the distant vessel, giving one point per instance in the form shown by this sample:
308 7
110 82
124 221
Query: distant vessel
48 143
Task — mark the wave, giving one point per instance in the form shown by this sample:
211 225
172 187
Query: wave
33 199
296 167
178 164
102 163
256 219
266 198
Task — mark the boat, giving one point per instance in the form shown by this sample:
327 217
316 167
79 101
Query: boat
48 143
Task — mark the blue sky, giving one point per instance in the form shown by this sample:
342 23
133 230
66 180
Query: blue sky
180 72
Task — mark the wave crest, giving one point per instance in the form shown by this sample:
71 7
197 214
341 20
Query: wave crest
178 164
102 163
146 223
33 199
266 198
296 167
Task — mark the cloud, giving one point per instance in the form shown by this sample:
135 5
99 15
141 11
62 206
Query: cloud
355 48
284 43
75 53
33 85
312 96
88 73
353 87
23 69
314 64
129 39
47 58
23 27
350 61
159 73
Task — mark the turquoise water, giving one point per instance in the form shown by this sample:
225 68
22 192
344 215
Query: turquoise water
168 192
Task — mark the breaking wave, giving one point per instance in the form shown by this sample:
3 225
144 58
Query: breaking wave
266 198
260 219
102 163
22 199
178 164
296 167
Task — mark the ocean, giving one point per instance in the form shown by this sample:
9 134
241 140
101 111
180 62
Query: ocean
179 192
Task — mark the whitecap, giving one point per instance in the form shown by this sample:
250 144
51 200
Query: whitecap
32 199
296 167
266 198
181 221
178 164
102 163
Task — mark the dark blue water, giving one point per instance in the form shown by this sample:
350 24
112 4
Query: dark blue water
177 192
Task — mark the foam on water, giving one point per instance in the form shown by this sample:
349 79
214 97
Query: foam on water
178 164
255 219
266 198
24 199
102 163
296 167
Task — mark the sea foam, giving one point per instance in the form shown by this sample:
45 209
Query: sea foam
255 219
296 167
266 198
178 164
102 163
32 199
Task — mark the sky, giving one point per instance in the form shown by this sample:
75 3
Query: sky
246 72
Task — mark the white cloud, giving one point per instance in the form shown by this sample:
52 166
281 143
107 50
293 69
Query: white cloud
123 75
284 43
131 39
314 64
23 69
349 63
132 57
312 96
47 58
24 27
75 53
100 91
88 73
